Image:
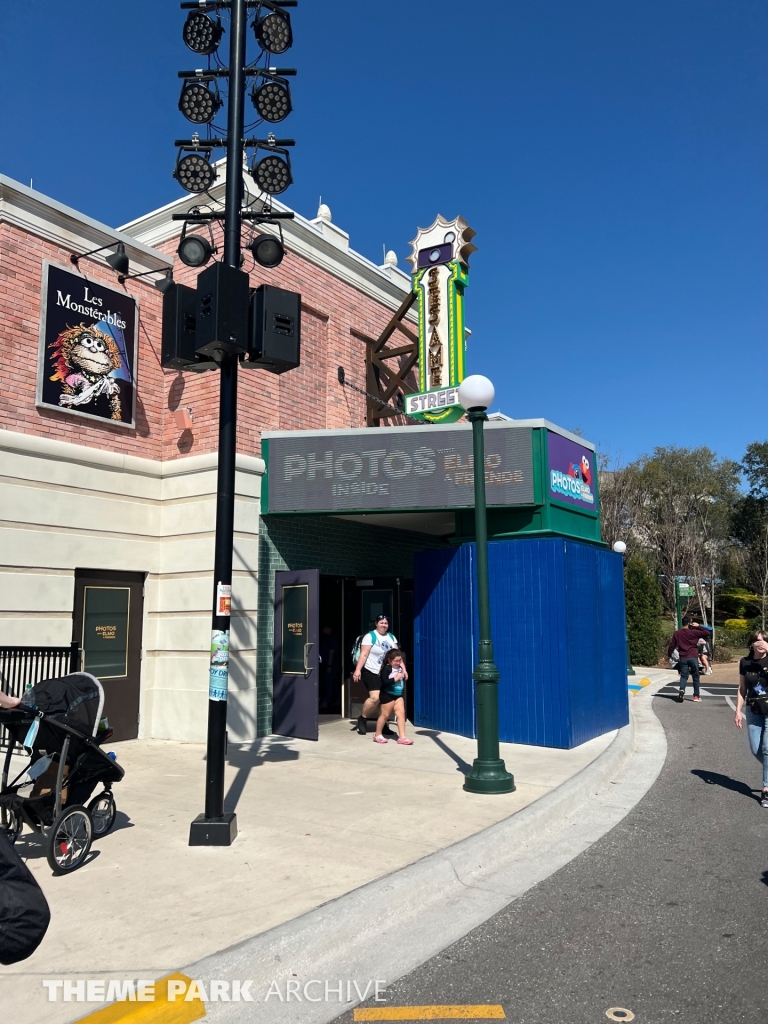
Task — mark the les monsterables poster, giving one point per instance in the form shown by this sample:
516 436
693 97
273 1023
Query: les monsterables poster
87 359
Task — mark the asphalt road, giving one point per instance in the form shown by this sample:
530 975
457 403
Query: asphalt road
665 916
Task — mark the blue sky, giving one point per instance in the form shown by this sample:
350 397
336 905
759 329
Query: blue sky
610 154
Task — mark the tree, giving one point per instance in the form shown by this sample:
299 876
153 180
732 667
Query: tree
618 503
684 499
750 527
644 607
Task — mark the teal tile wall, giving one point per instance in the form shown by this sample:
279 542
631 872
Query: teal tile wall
335 547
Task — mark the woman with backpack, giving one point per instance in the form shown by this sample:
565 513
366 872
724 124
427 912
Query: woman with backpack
393 676
373 647
753 691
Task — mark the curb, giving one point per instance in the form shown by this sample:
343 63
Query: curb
388 927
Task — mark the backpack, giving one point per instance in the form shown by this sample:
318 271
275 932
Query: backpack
359 643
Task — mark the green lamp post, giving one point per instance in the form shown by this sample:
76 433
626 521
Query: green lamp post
488 774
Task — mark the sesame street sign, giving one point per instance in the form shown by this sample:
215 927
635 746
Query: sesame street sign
440 261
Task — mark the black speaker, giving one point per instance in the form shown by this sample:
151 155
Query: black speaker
178 338
222 310
274 341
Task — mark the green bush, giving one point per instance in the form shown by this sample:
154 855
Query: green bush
644 606
741 624
726 637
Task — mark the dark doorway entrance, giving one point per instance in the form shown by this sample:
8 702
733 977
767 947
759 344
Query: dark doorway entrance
107 623
295 677
364 599
332 641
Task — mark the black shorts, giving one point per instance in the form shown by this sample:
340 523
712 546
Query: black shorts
387 698
370 680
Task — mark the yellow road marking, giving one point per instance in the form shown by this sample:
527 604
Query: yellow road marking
485 1011
159 1011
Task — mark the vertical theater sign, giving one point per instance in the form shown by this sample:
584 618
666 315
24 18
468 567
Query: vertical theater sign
440 261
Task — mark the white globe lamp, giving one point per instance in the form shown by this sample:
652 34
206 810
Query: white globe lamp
476 392
619 547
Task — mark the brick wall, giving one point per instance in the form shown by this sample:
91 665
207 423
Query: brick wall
335 319
336 547
21 267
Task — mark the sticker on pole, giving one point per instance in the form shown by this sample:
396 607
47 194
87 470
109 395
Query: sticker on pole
224 599
218 679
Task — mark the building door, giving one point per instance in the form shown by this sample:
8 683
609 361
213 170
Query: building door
107 621
295 691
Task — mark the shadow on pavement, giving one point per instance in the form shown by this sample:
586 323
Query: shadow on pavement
247 758
461 765
716 779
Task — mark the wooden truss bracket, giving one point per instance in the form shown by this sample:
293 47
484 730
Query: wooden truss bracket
386 379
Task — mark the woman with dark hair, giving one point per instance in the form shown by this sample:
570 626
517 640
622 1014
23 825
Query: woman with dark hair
393 676
753 692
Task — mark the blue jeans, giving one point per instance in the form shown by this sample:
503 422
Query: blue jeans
757 730
692 665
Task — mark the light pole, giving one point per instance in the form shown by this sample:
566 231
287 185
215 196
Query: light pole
620 548
489 773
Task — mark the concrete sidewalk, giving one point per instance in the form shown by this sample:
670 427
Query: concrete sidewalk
316 820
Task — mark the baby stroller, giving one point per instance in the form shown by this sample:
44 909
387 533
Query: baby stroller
58 725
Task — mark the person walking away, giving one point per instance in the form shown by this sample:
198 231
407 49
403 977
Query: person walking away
393 676
373 647
686 640
753 692
704 657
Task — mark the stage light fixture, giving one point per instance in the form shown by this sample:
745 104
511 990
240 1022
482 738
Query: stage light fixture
198 103
272 100
201 33
165 283
267 250
273 32
194 250
272 174
194 171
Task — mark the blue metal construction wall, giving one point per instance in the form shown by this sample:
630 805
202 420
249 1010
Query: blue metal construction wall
557 620
444 582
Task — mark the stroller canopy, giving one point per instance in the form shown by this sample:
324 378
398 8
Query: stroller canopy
76 700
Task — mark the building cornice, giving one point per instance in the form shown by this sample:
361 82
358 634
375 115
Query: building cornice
64 451
323 244
39 215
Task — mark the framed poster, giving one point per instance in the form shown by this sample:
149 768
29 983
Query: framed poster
88 340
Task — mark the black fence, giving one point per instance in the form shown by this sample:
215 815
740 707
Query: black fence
21 667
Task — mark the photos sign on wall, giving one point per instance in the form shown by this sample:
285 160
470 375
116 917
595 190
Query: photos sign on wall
87 359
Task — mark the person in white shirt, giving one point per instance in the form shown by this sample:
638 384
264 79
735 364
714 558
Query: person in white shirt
372 650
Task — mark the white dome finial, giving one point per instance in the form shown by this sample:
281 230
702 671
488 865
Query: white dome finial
390 260
324 213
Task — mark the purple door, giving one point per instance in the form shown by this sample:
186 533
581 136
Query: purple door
296 655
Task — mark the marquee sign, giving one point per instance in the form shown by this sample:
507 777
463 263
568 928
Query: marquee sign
397 469
440 261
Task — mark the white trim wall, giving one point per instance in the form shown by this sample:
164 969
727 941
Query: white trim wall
65 506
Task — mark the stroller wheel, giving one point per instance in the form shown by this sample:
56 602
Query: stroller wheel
102 811
69 840
12 823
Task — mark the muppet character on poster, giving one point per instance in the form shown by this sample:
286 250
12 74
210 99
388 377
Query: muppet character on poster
87 348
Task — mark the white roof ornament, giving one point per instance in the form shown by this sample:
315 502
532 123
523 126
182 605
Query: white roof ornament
444 241
324 213
390 260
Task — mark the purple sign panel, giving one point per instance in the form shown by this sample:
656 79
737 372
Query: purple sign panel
572 472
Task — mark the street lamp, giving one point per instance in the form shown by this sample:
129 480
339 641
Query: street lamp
620 548
488 774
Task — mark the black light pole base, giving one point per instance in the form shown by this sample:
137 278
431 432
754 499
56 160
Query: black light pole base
213 831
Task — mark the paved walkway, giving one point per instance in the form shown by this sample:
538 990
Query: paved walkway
316 820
